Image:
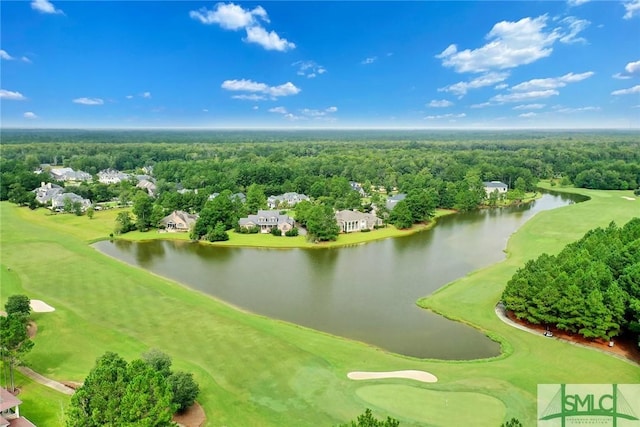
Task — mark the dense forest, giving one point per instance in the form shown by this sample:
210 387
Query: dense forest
591 288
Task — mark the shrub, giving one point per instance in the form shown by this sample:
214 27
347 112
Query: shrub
365 230
292 233
276 231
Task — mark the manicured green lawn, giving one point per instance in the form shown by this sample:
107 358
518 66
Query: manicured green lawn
262 372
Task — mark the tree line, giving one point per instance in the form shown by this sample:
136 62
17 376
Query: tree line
591 288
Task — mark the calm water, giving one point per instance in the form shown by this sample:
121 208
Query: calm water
366 292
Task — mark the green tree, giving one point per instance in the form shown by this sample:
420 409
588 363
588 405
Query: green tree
401 215
513 422
158 360
422 204
90 212
14 342
368 420
18 304
185 389
77 208
157 213
142 209
218 233
256 199
124 223
321 223
117 393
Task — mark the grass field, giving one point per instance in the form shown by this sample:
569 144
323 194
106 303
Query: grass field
261 372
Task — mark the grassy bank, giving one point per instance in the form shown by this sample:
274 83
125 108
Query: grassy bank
262 372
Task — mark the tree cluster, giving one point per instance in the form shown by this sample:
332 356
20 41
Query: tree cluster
141 392
14 335
592 287
368 420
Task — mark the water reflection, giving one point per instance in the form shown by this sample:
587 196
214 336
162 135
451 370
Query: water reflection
366 292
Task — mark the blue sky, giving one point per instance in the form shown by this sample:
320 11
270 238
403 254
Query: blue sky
455 64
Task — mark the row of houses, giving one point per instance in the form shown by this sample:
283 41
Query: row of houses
54 196
267 220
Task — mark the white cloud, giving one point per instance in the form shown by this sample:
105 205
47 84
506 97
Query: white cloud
524 96
446 116
575 27
621 76
511 44
230 16
552 82
204 110
233 17
501 86
13 96
25 59
309 69
88 101
635 89
632 67
529 107
269 40
255 107
129 96
489 79
577 2
484 105
369 60
146 95
256 88
631 7
527 115
318 113
30 115
577 110
250 97
279 110
439 103
45 6
5 55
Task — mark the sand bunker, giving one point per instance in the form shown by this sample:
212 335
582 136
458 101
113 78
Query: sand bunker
40 306
628 198
423 376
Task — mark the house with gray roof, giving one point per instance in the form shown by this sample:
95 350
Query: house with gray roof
148 185
285 200
46 192
69 175
355 186
178 221
392 201
353 221
491 186
58 201
266 220
112 176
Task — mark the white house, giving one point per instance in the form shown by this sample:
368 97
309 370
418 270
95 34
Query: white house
112 176
267 220
352 221
290 199
490 187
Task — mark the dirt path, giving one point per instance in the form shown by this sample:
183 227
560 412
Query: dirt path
45 381
502 315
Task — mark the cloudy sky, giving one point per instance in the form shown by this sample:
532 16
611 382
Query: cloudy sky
455 64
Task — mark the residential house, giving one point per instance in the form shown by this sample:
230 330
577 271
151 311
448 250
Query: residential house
392 201
286 199
112 176
69 175
58 201
490 187
148 169
352 221
357 187
235 196
46 192
178 221
148 185
10 411
267 220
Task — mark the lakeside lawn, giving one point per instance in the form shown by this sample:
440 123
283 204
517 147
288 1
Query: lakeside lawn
262 372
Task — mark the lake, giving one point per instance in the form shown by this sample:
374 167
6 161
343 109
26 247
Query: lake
366 292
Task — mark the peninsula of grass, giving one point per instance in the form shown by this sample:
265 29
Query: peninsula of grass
262 372
101 226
